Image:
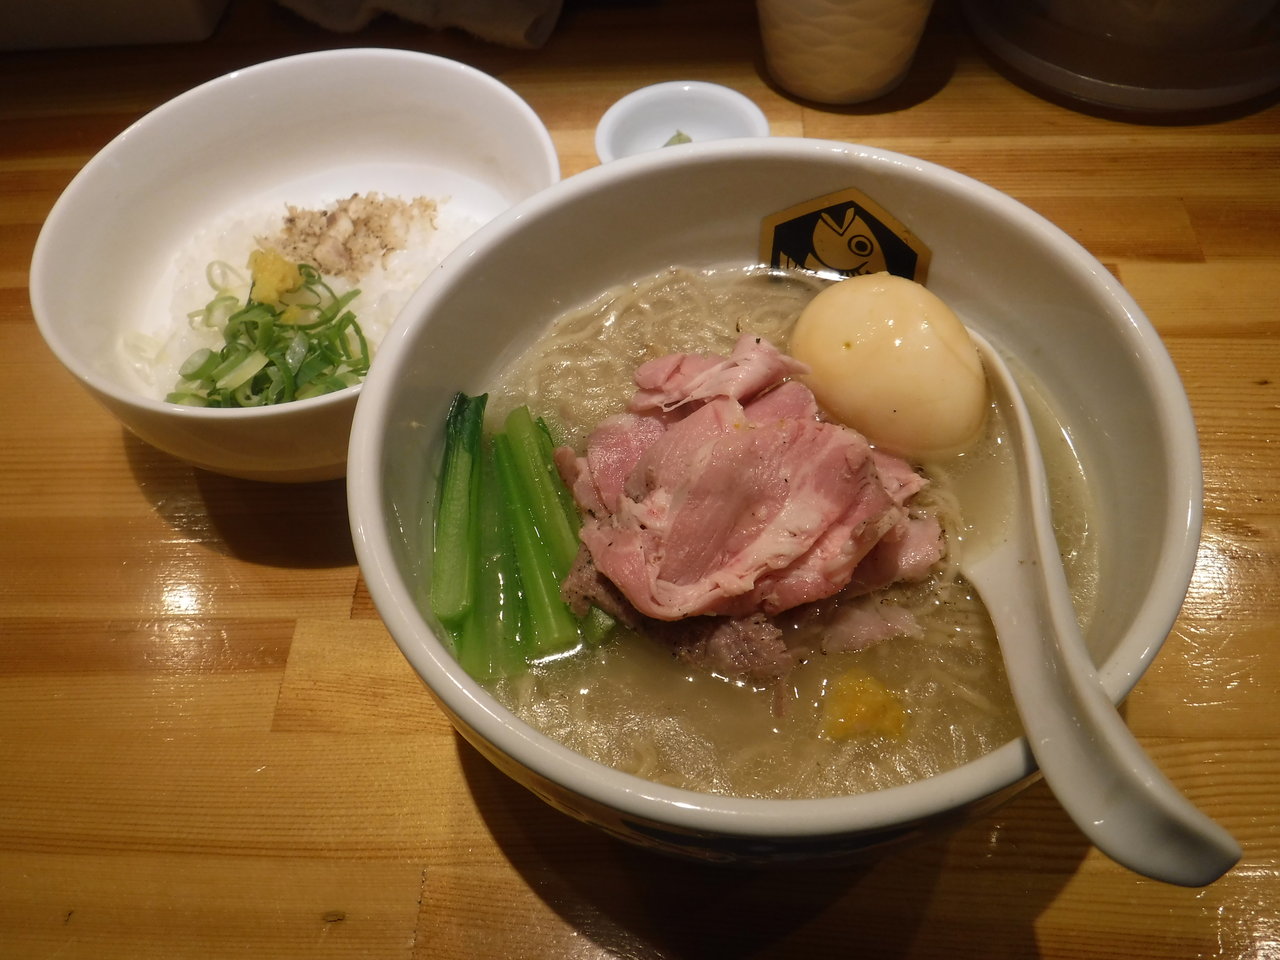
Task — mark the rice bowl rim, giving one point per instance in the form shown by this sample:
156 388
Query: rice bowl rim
708 813
65 210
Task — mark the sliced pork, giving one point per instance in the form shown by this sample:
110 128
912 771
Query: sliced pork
747 648
681 378
722 495
906 553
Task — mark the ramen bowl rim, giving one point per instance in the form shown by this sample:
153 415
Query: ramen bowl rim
703 813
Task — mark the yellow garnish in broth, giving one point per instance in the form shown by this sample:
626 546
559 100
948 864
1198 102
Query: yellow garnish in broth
857 704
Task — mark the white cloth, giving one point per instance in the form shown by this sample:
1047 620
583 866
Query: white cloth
512 23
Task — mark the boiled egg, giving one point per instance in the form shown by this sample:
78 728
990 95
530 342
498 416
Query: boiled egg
891 360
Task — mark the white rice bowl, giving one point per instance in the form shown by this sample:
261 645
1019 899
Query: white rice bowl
199 177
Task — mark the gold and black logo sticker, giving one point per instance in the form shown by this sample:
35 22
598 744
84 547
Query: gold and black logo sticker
842 234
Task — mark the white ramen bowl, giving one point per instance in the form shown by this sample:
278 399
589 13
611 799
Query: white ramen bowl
133 225
1018 279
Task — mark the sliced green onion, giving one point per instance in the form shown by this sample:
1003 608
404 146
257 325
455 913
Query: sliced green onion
187 398
199 365
266 361
222 276
228 359
254 361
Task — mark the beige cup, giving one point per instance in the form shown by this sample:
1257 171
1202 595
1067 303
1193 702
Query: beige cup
840 51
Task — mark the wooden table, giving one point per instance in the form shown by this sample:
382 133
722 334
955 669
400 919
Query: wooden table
209 745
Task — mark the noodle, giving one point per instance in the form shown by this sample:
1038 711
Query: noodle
632 705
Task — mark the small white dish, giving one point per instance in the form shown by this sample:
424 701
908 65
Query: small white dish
649 118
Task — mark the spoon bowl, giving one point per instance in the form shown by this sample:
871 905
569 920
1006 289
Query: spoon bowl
1098 771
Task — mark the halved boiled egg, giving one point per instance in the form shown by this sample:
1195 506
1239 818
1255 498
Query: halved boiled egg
892 361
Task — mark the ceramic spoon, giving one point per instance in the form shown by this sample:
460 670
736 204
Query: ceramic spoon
1100 774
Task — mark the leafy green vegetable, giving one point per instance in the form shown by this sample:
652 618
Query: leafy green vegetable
506 537
457 528
491 642
541 482
553 629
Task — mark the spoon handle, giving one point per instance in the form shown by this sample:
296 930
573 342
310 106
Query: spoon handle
1098 771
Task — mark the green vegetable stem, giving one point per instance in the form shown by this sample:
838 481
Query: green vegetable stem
533 459
457 541
506 535
491 642
553 629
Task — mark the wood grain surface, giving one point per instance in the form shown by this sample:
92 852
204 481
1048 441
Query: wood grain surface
210 747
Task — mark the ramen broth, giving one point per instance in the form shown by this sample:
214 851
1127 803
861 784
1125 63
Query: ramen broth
630 704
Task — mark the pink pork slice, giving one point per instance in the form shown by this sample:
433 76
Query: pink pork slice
746 504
